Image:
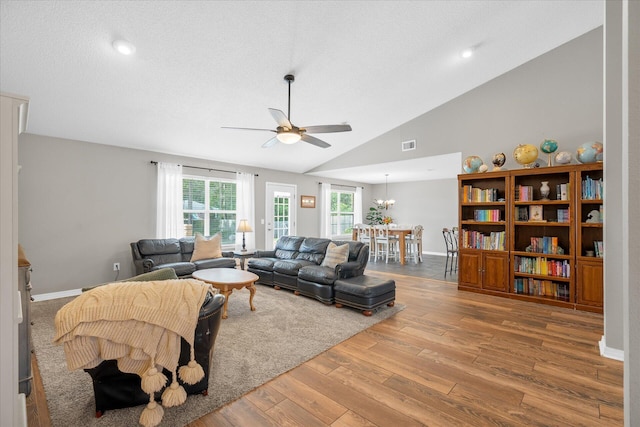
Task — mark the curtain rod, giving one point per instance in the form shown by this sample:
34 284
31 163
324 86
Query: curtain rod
153 162
342 185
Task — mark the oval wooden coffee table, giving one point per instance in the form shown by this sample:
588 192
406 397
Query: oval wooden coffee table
226 280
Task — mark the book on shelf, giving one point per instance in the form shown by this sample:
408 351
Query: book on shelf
535 213
524 193
544 245
563 215
542 266
486 215
522 213
563 191
473 194
592 189
471 239
537 287
598 246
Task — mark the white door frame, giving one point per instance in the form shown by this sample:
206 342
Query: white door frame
270 190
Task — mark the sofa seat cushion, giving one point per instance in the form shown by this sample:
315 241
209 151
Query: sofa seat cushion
290 266
265 264
181 268
222 262
364 287
318 274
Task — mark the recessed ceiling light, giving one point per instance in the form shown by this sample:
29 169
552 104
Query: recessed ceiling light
124 47
467 53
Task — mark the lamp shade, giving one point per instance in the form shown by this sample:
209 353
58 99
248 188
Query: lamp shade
244 227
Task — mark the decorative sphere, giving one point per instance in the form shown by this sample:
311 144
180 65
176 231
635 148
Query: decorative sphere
483 168
525 154
549 146
471 164
563 158
590 152
498 160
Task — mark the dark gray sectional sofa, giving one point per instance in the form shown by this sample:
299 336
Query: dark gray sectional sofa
153 254
296 264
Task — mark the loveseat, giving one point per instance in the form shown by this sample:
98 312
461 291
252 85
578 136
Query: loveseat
296 263
154 254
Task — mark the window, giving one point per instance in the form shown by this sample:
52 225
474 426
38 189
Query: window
342 212
209 207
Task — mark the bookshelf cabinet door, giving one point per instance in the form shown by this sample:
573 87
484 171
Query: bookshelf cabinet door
495 271
469 270
589 283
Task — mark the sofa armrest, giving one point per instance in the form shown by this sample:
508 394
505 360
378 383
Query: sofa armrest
227 254
147 265
349 269
265 254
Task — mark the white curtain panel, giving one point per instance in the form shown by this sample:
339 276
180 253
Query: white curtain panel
245 207
357 206
169 221
325 210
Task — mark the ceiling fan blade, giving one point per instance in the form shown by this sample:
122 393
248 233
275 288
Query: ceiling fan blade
270 143
327 128
280 118
230 127
315 141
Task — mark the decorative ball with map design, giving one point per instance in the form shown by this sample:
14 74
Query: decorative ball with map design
590 152
563 158
526 155
471 164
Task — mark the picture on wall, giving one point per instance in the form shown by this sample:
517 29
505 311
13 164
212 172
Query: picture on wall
308 202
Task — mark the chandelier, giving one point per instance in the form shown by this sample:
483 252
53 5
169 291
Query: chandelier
387 203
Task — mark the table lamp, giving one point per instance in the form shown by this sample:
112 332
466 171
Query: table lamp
244 227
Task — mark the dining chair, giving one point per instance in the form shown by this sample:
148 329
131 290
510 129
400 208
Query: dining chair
386 245
414 243
367 236
451 242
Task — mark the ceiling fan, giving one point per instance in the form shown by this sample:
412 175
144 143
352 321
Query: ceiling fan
287 133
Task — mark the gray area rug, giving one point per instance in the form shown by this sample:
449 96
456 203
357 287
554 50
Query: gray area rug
251 348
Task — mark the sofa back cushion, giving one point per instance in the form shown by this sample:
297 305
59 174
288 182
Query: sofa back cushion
313 249
148 247
287 247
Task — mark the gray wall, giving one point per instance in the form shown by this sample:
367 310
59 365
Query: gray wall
81 204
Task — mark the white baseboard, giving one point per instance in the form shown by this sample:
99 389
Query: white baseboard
56 295
21 410
434 253
610 353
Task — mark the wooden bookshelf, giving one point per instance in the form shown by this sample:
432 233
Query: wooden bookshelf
546 255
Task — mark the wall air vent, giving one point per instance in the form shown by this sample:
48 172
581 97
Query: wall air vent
409 145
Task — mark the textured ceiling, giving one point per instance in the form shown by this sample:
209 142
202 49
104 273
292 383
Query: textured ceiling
201 65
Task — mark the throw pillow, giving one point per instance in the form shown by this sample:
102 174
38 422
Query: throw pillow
207 248
336 255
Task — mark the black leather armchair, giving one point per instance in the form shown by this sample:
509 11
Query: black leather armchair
114 389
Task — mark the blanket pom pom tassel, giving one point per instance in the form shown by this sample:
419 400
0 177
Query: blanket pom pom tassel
192 373
152 414
174 395
153 381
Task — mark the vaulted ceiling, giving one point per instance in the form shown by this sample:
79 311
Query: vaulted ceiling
202 65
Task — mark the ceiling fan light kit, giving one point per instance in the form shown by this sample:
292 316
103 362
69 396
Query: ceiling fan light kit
287 133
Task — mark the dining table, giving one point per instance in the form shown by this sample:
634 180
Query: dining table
401 233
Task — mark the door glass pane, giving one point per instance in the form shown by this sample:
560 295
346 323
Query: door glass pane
281 203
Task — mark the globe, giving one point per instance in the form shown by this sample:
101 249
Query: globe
526 155
498 161
563 158
590 152
549 146
471 164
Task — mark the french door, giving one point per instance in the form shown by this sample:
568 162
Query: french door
280 212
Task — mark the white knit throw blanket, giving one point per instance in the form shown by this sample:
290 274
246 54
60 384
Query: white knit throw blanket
140 325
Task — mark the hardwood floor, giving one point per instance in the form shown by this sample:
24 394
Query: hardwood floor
450 358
